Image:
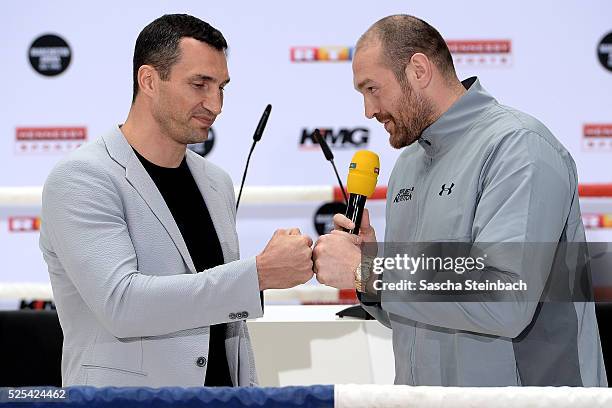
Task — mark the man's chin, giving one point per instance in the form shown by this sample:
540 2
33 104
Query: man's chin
395 141
400 141
199 135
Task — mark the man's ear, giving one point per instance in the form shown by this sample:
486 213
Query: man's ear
419 70
148 79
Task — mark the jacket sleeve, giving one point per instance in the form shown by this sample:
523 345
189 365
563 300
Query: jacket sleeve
525 196
84 227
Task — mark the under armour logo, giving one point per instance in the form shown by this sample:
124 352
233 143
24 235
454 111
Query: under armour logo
405 194
448 190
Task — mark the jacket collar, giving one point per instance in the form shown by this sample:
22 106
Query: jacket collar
457 120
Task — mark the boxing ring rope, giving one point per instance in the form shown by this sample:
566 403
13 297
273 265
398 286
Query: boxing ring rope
322 396
338 396
396 396
31 195
599 198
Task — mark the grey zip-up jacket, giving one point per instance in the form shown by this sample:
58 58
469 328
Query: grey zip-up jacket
488 173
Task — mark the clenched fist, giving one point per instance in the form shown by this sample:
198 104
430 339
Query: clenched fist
286 261
337 255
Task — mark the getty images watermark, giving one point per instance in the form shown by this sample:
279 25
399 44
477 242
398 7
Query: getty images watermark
422 263
483 272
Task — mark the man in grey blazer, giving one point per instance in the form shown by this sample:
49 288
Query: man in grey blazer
122 252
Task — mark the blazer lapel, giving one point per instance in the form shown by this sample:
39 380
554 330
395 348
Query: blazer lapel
216 203
135 173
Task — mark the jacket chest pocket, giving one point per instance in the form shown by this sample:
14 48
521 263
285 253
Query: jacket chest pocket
447 214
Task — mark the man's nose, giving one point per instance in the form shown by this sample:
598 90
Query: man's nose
370 109
214 104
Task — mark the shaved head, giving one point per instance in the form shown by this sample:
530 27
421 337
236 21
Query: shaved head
401 36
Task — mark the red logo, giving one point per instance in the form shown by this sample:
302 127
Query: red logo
493 53
321 54
591 220
597 137
23 224
49 139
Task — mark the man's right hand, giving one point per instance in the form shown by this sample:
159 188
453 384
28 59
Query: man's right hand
366 231
286 261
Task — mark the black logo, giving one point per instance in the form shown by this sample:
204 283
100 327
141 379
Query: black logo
339 138
36 305
405 194
205 147
447 190
50 55
604 51
324 217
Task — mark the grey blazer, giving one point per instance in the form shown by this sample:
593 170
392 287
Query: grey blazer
133 310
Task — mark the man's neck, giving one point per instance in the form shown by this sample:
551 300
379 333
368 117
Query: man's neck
446 97
143 133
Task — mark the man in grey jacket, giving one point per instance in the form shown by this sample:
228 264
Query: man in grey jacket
479 173
139 233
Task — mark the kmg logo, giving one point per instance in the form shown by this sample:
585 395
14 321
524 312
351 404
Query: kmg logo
336 138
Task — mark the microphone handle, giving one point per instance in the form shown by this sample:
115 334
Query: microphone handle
339 182
354 211
244 174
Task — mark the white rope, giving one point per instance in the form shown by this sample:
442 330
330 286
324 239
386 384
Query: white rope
403 396
31 196
285 194
23 196
20 196
38 291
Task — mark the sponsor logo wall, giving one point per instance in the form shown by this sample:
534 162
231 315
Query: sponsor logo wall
338 138
604 51
48 139
481 53
67 84
50 55
321 54
597 137
24 224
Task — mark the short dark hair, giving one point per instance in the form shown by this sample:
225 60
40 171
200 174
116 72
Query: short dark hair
158 43
402 36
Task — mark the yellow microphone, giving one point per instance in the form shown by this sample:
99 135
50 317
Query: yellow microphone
361 183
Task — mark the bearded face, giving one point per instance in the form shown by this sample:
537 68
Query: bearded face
407 117
404 111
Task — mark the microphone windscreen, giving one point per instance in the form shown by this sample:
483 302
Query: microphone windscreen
363 173
262 123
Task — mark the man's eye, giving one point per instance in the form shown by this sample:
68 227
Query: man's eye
371 89
198 85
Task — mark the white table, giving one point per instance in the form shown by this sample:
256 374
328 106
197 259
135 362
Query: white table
305 345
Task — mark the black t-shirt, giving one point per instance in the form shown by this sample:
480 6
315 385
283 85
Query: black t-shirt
190 213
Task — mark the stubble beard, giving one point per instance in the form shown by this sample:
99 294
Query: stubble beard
416 113
179 129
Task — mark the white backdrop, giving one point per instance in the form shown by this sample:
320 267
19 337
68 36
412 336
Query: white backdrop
551 71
